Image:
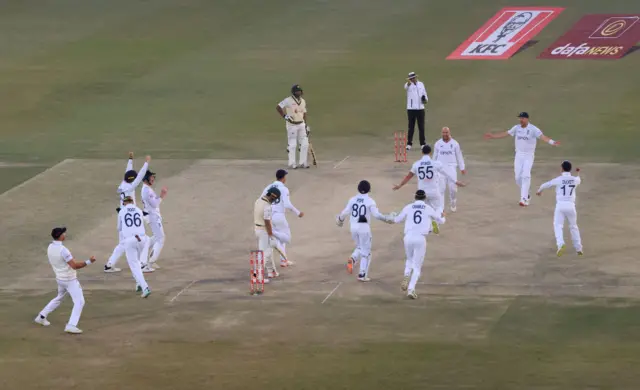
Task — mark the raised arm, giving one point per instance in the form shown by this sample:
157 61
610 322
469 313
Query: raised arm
68 258
141 174
129 162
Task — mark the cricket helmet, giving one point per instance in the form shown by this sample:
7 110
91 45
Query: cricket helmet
296 88
273 191
148 175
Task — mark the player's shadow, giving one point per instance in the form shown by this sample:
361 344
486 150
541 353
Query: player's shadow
635 48
526 46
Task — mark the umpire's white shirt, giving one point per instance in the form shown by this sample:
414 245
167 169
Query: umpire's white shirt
415 92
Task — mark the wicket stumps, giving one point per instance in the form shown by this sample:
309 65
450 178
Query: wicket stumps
400 144
256 272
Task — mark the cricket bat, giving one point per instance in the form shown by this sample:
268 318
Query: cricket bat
313 152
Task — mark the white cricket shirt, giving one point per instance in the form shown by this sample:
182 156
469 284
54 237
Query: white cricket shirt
130 222
294 108
418 216
526 138
427 170
449 153
151 202
261 212
565 187
361 205
283 203
59 256
415 92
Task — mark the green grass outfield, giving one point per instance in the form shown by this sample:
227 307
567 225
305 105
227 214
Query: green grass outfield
191 80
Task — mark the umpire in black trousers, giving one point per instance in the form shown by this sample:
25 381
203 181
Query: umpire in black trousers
416 99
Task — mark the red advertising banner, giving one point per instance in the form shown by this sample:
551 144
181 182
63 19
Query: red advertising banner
505 33
597 37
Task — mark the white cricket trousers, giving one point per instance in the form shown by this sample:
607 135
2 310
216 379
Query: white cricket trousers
73 288
136 251
361 235
415 247
263 244
157 241
297 134
444 182
281 230
566 210
118 251
522 168
435 200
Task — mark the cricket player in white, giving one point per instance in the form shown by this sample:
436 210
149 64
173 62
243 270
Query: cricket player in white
427 171
281 228
135 242
294 111
418 217
263 229
132 180
151 203
565 207
361 208
526 136
64 266
448 152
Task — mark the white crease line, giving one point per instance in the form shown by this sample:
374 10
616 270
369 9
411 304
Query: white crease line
338 164
331 293
181 291
33 178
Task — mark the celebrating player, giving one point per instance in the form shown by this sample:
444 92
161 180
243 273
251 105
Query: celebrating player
294 111
565 206
151 203
135 242
427 171
64 266
418 217
127 188
526 136
361 207
448 152
281 229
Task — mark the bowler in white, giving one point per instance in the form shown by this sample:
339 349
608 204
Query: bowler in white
565 207
64 266
526 136
448 152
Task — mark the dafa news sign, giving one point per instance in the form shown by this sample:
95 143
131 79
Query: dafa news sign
596 37
505 33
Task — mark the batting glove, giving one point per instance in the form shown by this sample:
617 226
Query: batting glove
288 118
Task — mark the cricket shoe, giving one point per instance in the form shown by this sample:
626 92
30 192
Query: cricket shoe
293 166
155 266
110 270
146 292
138 288
40 320
453 207
72 329
560 251
580 253
408 147
435 228
305 166
350 263
147 269
405 282
364 278
412 294
273 274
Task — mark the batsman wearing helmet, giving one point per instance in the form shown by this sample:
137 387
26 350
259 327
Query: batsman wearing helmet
293 109
127 188
262 219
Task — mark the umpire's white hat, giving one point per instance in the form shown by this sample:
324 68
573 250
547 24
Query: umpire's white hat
411 75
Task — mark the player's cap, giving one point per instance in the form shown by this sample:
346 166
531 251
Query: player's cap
130 175
523 114
296 88
280 173
127 199
566 166
57 232
412 75
364 187
421 195
426 149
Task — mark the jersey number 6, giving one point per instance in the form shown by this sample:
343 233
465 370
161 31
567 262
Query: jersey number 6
425 172
417 217
132 219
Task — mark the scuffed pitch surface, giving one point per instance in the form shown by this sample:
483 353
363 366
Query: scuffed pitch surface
489 247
